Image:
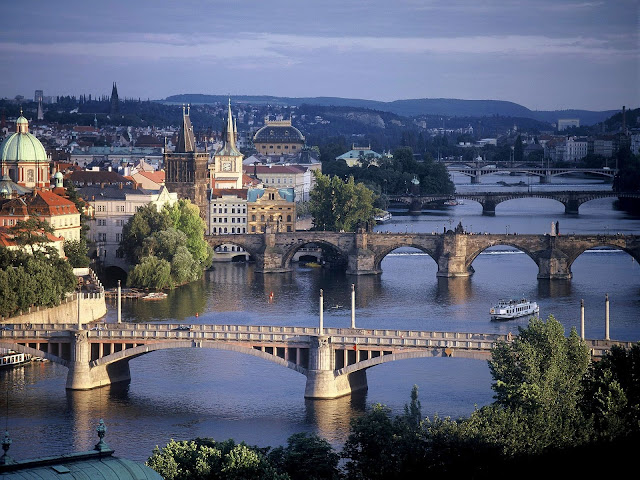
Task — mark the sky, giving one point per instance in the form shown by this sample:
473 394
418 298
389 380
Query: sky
543 54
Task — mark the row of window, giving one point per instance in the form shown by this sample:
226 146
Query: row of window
227 230
225 248
119 208
279 147
102 237
102 222
226 220
233 210
262 218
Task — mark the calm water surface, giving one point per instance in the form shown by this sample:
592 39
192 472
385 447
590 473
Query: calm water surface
182 394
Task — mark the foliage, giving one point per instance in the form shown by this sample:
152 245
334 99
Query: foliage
337 205
151 272
41 279
611 396
306 457
174 237
204 458
31 233
76 253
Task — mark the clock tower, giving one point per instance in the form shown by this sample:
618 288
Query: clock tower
226 171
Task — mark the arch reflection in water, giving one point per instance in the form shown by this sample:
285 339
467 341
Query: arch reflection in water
332 418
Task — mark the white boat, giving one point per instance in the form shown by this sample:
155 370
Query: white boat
155 296
385 216
451 202
508 309
9 358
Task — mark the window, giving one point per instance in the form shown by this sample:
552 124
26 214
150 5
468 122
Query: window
102 208
102 237
118 237
253 229
288 218
253 218
102 222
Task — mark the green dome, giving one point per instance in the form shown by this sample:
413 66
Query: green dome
21 147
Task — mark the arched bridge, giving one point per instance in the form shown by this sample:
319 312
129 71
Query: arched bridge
545 173
334 360
362 253
570 199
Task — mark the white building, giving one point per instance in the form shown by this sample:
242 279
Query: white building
227 216
112 207
575 149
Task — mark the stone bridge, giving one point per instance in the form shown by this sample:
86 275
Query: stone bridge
334 360
570 199
362 253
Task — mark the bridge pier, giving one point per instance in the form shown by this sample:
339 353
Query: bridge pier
322 381
553 265
82 376
453 260
475 179
488 207
362 261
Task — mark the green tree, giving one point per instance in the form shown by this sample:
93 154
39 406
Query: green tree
337 205
31 233
306 457
144 223
151 272
185 217
518 150
76 252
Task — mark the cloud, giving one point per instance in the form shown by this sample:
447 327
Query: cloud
291 48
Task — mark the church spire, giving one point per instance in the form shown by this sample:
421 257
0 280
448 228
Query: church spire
231 133
186 139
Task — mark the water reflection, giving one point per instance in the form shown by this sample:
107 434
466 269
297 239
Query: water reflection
453 291
331 418
555 289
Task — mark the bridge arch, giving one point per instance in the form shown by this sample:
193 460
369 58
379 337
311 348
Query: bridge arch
130 353
474 254
34 352
381 254
236 240
335 254
576 253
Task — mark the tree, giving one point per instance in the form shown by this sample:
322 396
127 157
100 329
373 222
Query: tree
337 205
146 221
185 217
306 457
76 252
32 233
151 272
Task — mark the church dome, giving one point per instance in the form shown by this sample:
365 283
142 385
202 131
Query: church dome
22 146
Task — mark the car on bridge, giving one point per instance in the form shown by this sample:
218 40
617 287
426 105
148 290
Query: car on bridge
183 327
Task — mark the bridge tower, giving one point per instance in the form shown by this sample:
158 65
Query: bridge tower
323 382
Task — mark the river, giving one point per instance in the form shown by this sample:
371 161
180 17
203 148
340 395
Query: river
183 394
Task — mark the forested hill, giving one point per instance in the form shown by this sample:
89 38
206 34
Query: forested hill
410 108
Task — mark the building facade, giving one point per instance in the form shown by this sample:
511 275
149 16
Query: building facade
23 158
273 208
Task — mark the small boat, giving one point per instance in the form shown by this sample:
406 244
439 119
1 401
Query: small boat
312 265
154 296
9 358
451 202
384 217
508 309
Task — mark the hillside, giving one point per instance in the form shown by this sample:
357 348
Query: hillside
410 108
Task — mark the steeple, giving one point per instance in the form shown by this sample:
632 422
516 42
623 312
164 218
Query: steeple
115 104
228 147
186 139
231 131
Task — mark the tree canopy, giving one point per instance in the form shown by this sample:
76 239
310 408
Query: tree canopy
338 205
167 246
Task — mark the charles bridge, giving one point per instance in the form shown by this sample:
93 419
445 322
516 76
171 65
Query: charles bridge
362 253
334 360
570 199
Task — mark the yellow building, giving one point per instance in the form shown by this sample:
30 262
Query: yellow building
271 207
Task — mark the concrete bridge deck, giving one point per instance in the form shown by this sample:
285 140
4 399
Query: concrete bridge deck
334 360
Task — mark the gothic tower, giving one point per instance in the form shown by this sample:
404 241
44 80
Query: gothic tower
186 168
226 171
115 104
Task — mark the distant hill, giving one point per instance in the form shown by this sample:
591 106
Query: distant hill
410 108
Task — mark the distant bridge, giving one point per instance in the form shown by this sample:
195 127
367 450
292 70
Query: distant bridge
570 199
544 173
362 253
334 360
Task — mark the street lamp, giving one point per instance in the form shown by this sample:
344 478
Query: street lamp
506 229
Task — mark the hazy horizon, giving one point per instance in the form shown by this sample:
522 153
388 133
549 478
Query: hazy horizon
543 55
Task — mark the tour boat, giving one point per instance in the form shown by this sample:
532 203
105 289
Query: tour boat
508 309
9 358
385 216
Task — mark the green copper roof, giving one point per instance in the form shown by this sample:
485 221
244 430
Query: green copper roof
21 147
